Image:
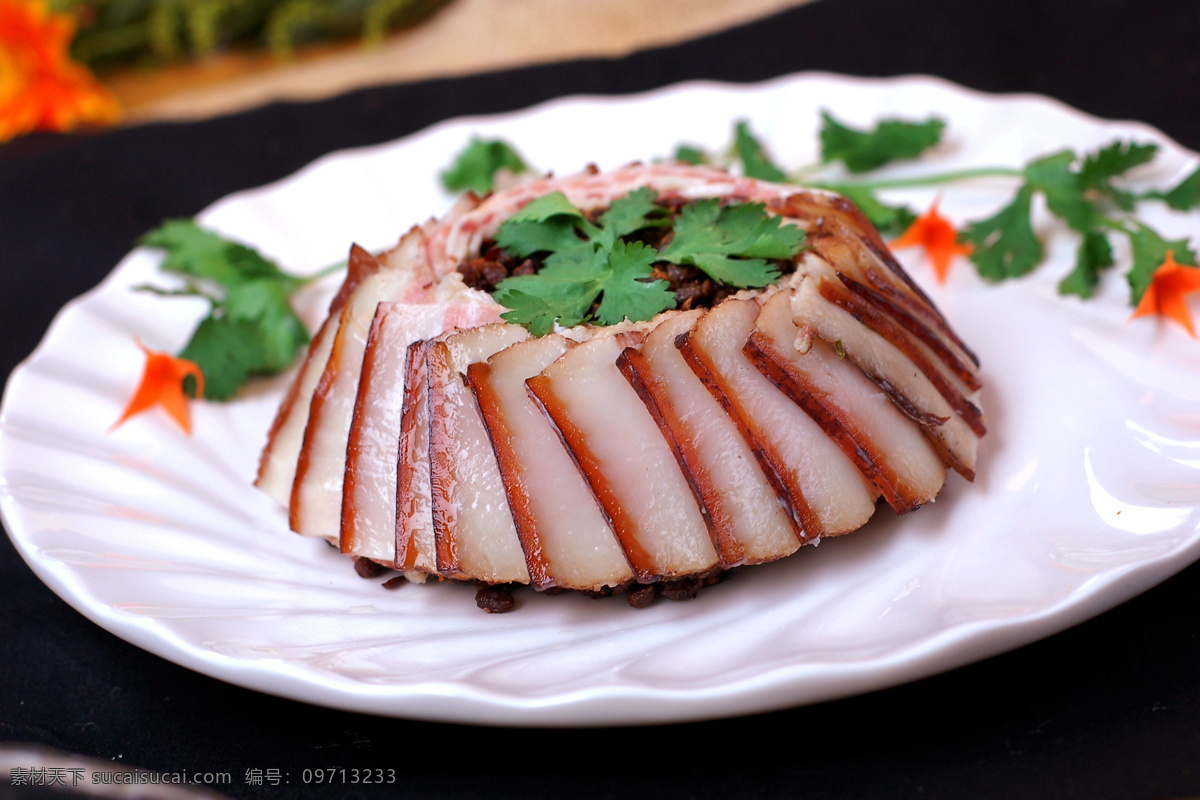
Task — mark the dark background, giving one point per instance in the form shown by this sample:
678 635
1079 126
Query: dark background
1109 709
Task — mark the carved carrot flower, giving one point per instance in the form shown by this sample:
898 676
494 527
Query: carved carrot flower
1164 296
162 385
939 238
40 86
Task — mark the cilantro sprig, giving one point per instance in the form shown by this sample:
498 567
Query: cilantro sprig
476 166
251 328
1079 190
890 140
592 270
1082 190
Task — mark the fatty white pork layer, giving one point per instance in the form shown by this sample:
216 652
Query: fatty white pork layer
368 508
473 525
750 525
905 333
828 493
625 459
887 446
567 541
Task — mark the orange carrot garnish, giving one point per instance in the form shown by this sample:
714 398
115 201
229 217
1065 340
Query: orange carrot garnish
162 385
1164 296
939 238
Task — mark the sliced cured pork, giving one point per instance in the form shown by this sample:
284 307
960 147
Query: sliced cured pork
424 433
824 491
748 522
473 527
368 508
889 451
631 468
566 538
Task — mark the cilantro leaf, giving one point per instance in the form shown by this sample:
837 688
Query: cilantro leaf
1149 252
264 304
755 162
476 166
199 253
538 304
890 140
626 292
631 213
251 328
568 285
1112 160
587 262
732 244
1052 176
886 219
1094 254
554 204
547 225
1185 196
523 239
1004 244
690 154
584 262
1099 168
227 351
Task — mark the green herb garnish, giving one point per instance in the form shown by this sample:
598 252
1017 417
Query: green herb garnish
1078 189
890 140
585 262
251 328
476 166
755 161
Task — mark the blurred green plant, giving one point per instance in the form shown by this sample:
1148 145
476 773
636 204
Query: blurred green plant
115 33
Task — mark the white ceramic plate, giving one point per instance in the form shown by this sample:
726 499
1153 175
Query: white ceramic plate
1089 487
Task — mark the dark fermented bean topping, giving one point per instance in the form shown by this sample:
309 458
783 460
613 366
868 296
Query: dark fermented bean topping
495 599
642 596
366 568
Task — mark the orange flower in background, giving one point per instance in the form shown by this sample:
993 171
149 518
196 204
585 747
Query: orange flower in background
41 88
1164 295
162 385
939 238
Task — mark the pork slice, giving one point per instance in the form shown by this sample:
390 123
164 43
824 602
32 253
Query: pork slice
839 289
566 538
823 488
316 500
623 456
277 464
888 447
474 531
415 547
368 508
749 524
833 221
891 369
